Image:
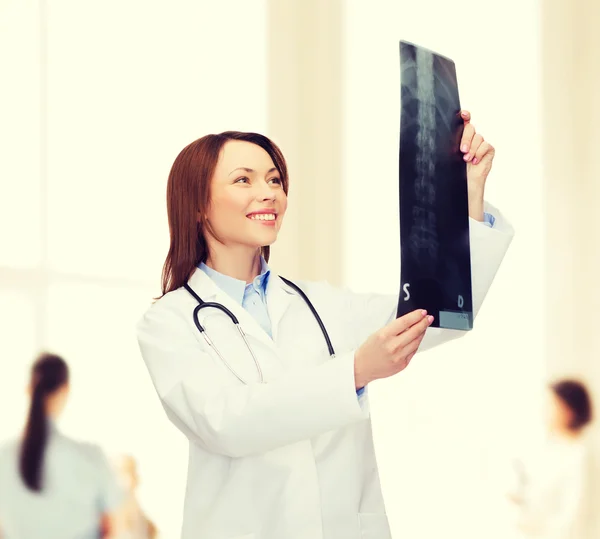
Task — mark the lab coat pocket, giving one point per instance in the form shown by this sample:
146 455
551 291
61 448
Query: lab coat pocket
374 526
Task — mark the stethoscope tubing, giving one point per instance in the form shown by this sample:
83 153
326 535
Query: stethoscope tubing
214 305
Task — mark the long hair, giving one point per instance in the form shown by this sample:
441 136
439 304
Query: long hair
577 399
49 373
188 196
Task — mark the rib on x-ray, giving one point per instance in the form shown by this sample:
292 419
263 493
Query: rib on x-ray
434 212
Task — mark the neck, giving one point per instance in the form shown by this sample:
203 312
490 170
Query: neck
565 434
237 263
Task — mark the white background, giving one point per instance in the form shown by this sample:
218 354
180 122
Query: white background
444 427
99 101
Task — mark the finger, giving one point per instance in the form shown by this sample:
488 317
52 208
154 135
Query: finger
409 351
406 362
414 332
413 347
417 342
475 144
484 150
465 115
396 327
467 138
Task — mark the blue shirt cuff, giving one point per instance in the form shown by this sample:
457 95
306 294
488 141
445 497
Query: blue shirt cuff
489 220
360 391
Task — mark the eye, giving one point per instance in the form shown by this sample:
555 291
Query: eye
275 180
243 179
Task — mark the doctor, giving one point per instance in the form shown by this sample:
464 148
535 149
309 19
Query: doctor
280 442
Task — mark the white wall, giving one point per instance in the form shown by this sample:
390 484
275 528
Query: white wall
442 426
571 77
101 99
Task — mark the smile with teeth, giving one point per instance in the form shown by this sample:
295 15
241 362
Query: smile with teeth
262 217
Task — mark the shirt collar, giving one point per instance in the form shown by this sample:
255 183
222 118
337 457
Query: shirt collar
235 287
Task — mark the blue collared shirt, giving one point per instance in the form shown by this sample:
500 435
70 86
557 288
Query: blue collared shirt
78 482
252 297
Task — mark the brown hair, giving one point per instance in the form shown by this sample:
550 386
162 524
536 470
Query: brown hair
48 374
188 192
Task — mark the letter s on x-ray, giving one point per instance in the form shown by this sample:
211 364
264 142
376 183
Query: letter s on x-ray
405 289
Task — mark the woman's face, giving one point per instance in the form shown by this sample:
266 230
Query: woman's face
247 201
559 415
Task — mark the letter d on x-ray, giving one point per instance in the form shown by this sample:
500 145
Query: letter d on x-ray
405 288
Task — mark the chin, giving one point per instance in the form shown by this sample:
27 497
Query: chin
266 239
270 242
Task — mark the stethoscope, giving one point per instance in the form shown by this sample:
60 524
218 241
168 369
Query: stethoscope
209 304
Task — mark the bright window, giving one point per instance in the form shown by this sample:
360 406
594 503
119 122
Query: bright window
102 98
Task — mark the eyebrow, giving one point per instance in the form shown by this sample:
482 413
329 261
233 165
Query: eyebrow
250 170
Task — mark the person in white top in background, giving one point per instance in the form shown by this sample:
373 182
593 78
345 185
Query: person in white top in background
53 487
549 492
280 443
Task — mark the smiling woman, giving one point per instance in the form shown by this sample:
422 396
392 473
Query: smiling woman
276 416
249 181
247 204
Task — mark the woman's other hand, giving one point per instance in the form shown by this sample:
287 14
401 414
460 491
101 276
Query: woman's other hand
479 155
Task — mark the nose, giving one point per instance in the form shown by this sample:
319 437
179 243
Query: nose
265 192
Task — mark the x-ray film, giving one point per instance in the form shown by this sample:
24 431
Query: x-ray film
434 213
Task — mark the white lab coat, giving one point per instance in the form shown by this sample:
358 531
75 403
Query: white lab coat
291 458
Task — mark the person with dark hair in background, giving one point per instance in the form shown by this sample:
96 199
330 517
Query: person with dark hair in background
51 486
550 490
572 408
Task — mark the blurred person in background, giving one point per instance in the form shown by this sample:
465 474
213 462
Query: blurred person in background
277 415
53 487
549 491
134 524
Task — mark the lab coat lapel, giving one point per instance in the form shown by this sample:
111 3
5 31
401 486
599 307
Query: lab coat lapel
279 296
205 287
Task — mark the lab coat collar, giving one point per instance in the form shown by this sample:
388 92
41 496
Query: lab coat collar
278 296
